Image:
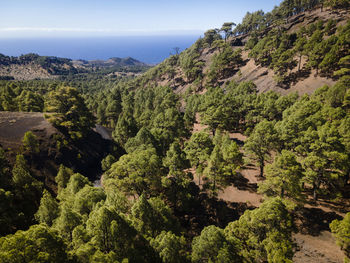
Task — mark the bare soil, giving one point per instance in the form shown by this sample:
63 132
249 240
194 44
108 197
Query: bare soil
83 156
301 82
25 72
320 249
13 126
314 241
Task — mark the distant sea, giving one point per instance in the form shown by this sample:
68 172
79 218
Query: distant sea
148 49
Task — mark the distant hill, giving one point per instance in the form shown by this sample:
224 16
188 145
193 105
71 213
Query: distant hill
112 62
32 66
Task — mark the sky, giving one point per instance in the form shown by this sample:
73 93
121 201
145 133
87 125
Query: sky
52 18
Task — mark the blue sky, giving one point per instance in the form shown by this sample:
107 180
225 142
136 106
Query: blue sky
21 18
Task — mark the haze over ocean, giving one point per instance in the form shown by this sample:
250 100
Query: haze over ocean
148 49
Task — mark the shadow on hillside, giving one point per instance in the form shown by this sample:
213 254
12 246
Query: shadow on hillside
205 210
240 143
243 184
314 220
340 206
295 77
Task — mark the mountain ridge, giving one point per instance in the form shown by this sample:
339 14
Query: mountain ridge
172 71
33 66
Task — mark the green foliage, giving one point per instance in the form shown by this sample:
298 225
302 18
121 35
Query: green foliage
66 222
75 183
18 97
20 172
116 198
277 49
152 216
224 63
137 172
297 119
48 209
283 177
87 198
30 101
192 105
214 110
261 142
337 3
38 244
175 160
143 140
213 246
109 230
19 195
171 248
191 64
167 126
107 162
341 231
126 128
63 176
299 47
4 169
324 157
123 220
265 233
227 29
69 112
198 150
224 161
8 213
30 142
251 22
239 108
210 36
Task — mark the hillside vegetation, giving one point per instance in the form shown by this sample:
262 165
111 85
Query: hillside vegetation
32 66
218 120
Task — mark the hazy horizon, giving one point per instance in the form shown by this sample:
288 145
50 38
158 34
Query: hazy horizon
41 18
148 49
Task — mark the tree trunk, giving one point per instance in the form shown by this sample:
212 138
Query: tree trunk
214 186
315 196
262 169
346 177
316 186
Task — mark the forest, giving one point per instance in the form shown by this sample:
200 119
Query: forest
161 181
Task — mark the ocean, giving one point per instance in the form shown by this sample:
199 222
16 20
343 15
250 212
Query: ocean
148 49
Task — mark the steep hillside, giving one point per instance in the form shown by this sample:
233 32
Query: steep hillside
217 171
194 67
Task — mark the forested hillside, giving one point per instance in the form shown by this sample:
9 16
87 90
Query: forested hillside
32 66
235 150
275 50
